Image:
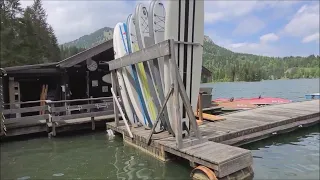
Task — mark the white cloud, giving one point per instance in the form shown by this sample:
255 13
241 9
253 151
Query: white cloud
310 38
213 17
249 25
254 48
73 19
271 37
304 22
225 10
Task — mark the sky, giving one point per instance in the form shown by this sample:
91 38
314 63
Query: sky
271 28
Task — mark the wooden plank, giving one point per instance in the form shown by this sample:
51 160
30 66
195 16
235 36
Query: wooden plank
77 58
256 116
270 132
210 117
250 121
235 164
26 119
108 105
184 95
121 111
164 106
82 115
24 110
114 87
152 52
289 114
80 100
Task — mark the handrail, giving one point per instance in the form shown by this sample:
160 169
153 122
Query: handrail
79 100
52 102
25 102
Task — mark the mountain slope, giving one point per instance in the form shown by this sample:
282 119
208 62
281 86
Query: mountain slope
92 39
226 65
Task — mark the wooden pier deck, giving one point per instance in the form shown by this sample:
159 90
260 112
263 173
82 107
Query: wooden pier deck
55 116
217 148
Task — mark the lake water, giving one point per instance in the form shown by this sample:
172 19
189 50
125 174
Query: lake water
94 156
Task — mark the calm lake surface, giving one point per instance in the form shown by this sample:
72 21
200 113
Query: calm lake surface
94 156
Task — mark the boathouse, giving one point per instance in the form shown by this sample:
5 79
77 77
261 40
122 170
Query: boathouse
73 88
79 76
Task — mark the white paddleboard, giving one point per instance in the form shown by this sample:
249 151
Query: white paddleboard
119 47
185 22
156 31
157 16
143 39
133 47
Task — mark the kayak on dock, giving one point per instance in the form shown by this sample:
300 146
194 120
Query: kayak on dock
313 96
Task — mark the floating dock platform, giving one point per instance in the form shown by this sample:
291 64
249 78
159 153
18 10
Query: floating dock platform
217 149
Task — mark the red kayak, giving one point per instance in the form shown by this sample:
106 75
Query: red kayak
256 101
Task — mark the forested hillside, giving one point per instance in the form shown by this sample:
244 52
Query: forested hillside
27 38
226 65
92 39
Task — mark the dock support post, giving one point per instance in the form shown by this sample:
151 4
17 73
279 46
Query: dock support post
122 114
93 124
176 104
114 88
53 123
186 103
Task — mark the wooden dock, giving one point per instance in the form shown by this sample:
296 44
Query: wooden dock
217 149
53 117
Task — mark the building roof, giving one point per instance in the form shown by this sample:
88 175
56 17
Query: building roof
206 72
86 54
71 61
66 63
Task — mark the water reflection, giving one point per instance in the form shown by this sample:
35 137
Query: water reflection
293 155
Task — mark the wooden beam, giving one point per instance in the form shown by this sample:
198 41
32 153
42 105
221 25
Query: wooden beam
176 104
84 55
114 88
83 106
122 114
25 119
24 110
150 53
185 100
109 99
81 115
164 106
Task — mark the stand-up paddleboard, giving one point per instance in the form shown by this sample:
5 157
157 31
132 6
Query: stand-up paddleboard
118 47
128 76
133 47
156 31
157 16
185 22
143 38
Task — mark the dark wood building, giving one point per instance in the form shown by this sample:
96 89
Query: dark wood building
206 75
80 76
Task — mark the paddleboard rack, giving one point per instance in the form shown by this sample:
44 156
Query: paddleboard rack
163 49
